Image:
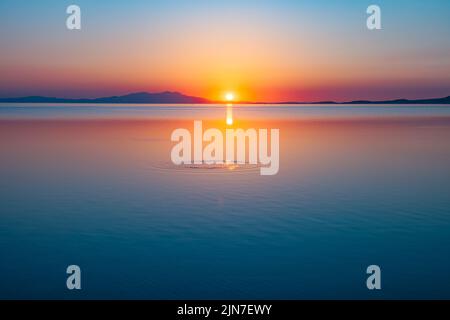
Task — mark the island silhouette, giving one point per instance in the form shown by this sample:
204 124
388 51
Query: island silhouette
172 97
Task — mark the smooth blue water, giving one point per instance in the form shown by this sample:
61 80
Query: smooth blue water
357 186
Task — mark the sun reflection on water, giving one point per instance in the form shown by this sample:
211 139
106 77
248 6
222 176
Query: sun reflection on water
229 114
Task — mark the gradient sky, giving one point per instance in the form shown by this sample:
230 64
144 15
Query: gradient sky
262 50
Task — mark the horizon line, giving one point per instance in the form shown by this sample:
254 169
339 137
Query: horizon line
198 100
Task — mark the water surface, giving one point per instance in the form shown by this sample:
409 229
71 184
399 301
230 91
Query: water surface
94 186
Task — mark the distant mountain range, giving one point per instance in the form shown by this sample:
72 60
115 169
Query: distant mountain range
139 97
176 97
445 100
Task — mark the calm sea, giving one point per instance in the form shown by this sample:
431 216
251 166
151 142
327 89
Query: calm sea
93 185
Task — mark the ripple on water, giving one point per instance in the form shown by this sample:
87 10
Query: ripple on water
239 168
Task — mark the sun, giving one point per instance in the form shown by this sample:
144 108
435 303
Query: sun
229 96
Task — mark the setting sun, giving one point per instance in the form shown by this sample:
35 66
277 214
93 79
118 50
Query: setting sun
229 96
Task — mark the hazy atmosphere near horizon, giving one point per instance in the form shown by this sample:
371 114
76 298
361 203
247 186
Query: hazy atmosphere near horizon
199 174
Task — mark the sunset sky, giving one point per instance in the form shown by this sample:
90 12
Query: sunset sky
261 50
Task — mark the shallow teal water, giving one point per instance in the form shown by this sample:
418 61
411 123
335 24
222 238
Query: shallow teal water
356 187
